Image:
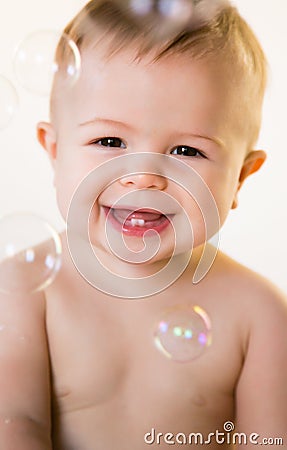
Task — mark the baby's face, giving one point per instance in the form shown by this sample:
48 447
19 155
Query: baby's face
178 107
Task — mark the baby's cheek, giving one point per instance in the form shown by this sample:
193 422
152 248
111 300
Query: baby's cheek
65 190
197 219
224 196
63 202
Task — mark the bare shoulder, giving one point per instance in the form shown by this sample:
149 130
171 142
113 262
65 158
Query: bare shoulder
248 286
260 310
265 304
261 393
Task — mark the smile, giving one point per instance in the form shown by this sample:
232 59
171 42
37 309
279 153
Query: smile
137 222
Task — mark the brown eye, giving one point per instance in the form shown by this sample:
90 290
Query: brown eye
185 150
112 142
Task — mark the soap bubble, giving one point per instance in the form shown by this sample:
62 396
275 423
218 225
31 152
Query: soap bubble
163 17
30 253
8 102
183 333
175 10
37 60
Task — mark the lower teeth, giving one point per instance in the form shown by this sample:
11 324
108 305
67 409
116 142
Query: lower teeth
137 222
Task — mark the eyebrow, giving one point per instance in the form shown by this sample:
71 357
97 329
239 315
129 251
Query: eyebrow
212 139
105 122
118 123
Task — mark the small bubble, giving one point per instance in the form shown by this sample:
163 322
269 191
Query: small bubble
8 102
183 333
30 253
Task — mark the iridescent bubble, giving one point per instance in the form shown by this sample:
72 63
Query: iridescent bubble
30 253
183 333
8 102
38 58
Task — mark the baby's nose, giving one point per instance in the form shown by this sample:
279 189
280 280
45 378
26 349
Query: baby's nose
144 181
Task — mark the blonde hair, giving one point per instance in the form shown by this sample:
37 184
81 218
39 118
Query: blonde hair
226 36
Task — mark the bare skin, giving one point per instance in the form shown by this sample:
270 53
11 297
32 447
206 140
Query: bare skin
125 378
111 385
94 355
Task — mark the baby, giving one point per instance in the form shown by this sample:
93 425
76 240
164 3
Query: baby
88 375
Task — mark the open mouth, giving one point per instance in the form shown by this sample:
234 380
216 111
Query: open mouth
137 222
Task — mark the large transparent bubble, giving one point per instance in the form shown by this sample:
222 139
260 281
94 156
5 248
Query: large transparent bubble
9 102
183 333
30 253
38 58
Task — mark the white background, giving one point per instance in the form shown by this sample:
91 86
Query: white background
254 234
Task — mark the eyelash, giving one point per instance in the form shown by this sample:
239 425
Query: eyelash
197 153
108 138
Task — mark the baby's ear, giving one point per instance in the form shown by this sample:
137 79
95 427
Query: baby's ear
252 164
47 137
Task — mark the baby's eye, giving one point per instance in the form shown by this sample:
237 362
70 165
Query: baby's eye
185 150
113 142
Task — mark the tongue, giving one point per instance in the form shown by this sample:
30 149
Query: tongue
147 216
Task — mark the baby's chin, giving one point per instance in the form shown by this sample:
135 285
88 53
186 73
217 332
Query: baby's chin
143 251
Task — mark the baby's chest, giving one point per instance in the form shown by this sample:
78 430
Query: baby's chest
97 360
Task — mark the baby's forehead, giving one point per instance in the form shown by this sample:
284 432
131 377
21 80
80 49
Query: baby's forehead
125 69
96 61
175 73
145 92
125 75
